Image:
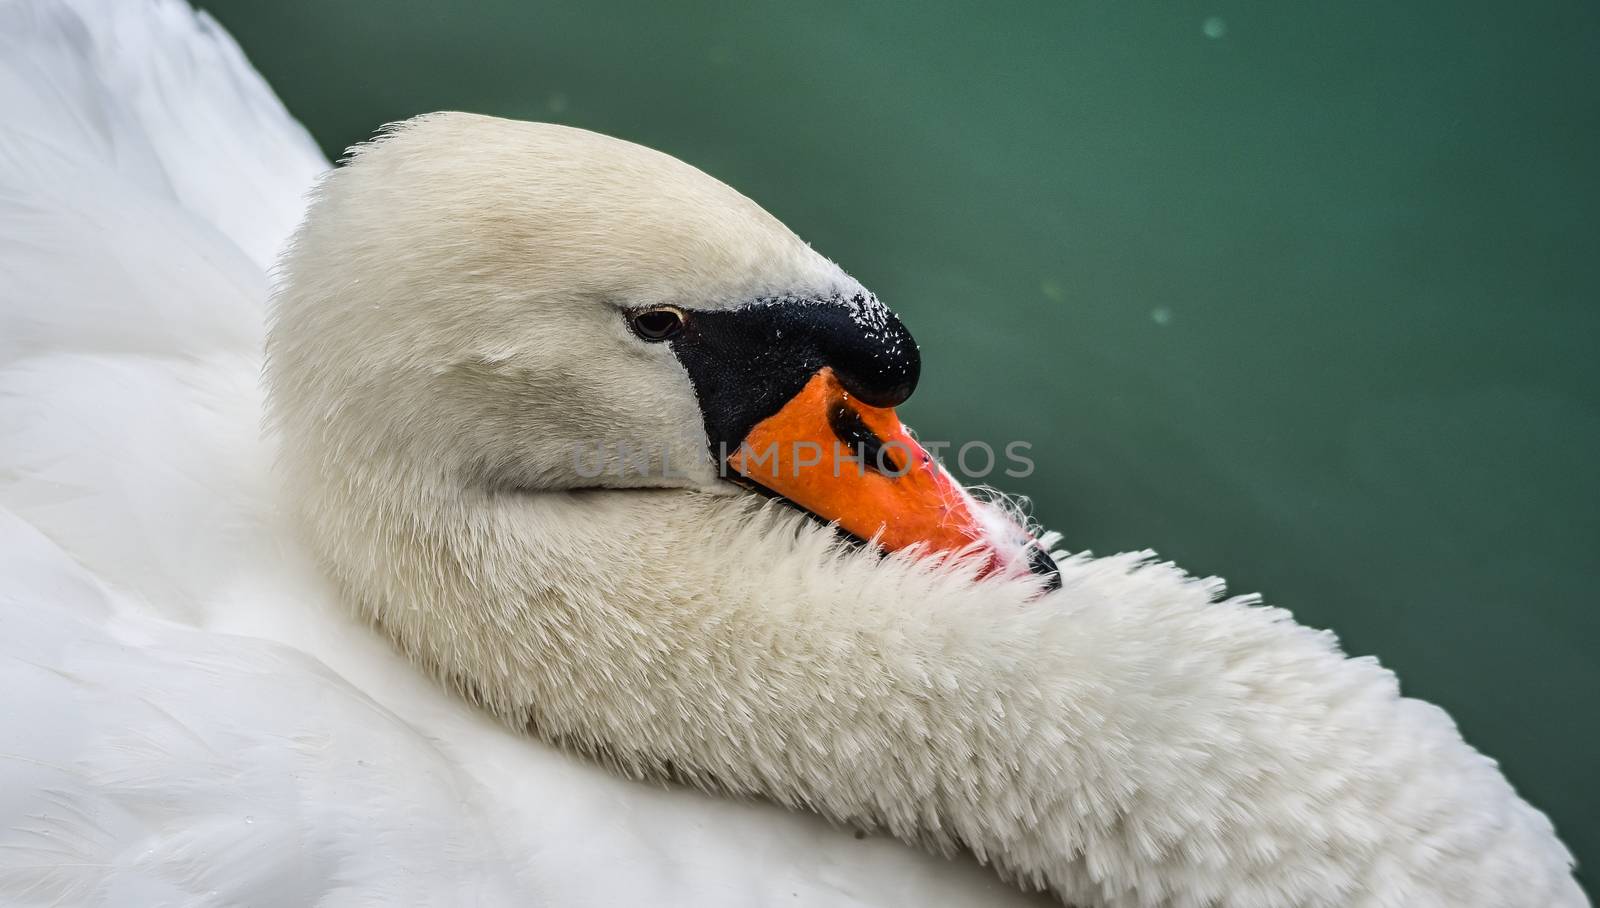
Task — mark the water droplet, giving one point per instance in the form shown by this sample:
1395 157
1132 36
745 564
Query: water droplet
1052 290
556 102
1214 27
1161 315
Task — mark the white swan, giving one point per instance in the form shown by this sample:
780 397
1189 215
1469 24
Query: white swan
454 319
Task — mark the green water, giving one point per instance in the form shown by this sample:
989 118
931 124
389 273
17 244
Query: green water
1302 294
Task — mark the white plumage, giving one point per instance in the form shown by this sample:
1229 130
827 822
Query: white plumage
190 717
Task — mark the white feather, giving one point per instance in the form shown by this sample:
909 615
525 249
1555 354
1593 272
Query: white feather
449 323
189 716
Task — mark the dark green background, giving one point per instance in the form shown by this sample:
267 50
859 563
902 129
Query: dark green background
1305 295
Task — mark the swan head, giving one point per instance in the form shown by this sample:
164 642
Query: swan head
477 306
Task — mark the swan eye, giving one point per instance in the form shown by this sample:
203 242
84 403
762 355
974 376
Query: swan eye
657 324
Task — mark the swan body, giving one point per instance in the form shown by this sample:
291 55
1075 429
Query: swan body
211 720
190 716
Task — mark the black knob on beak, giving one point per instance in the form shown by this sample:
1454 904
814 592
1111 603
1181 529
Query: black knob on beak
872 352
748 361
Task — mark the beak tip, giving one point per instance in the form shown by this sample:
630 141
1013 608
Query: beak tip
1040 563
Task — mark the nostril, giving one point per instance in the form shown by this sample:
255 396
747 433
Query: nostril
864 444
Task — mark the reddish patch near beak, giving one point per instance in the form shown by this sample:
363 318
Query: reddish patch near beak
858 466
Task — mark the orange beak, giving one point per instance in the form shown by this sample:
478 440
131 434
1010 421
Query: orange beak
857 466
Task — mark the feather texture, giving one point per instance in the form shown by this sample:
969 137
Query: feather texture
197 712
189 714
1127 740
